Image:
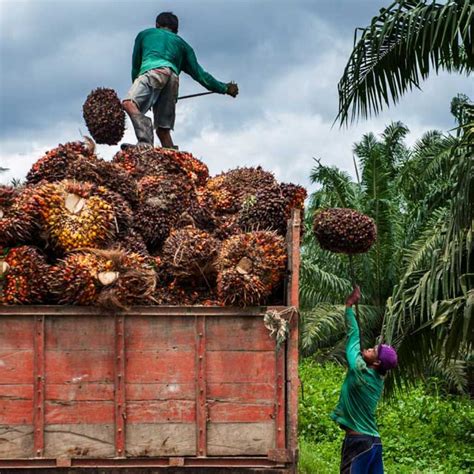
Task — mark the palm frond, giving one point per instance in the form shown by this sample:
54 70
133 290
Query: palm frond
324 326
404 44
318 285
337 189
452 372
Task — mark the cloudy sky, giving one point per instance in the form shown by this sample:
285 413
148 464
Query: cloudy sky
287 57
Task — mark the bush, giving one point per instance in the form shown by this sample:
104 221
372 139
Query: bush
421 432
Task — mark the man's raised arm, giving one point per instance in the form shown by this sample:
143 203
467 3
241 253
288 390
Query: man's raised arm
353 332
192 67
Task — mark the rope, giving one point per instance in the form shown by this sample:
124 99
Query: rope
278 326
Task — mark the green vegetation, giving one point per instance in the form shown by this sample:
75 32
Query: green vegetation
422 432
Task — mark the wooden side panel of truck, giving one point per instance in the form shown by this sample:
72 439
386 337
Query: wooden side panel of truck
197 389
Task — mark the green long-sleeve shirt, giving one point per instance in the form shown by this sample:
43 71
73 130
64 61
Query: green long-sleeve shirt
157 47
362 387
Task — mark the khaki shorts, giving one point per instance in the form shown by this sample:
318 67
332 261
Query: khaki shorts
157 89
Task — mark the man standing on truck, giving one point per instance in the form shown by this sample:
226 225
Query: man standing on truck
360 393
159 56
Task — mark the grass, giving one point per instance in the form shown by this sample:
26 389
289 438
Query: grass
422 432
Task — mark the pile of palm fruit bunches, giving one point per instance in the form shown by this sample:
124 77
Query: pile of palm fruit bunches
149 227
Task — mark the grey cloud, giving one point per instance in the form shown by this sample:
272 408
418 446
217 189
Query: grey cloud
286 55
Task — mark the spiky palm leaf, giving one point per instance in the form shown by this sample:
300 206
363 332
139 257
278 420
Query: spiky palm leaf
404 44
324 326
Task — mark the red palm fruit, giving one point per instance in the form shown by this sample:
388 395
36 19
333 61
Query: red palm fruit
343 230
23 276
58 163
227 192
163 198
250 266
7 196
76 215
19 221
294 196
190 253
264 211
112 279
196 170
104 116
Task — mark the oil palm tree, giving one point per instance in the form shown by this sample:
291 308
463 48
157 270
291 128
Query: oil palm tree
405 43
430 314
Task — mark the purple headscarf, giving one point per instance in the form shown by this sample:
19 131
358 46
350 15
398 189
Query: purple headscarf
387 356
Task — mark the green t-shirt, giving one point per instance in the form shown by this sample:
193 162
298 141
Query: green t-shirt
156 47
362 387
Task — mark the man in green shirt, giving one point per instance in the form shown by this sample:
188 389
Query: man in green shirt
159 56
360 393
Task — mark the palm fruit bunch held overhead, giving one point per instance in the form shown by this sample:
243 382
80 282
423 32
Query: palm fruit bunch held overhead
104 116
343 230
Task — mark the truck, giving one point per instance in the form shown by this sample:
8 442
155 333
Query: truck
175 389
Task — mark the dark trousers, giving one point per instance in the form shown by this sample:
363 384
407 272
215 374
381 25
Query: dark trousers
361 454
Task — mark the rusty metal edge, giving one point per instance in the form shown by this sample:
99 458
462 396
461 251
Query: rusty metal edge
189 462
119 400
201 393
38 386
226 311
292 347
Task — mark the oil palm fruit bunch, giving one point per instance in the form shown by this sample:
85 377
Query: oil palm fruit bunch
227 226
199 216
133 242
343 230
115 178
18 216
104 116
226 192
76 215
131 161
7 196
175 294
78 161
140 163
162 200
58 163
197 171
264 211
250 266
23 276
112 279
171 293
190 253
294 196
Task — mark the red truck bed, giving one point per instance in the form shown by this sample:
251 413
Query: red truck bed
191 389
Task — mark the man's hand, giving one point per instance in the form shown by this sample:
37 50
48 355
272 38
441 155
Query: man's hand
232 89
354 297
